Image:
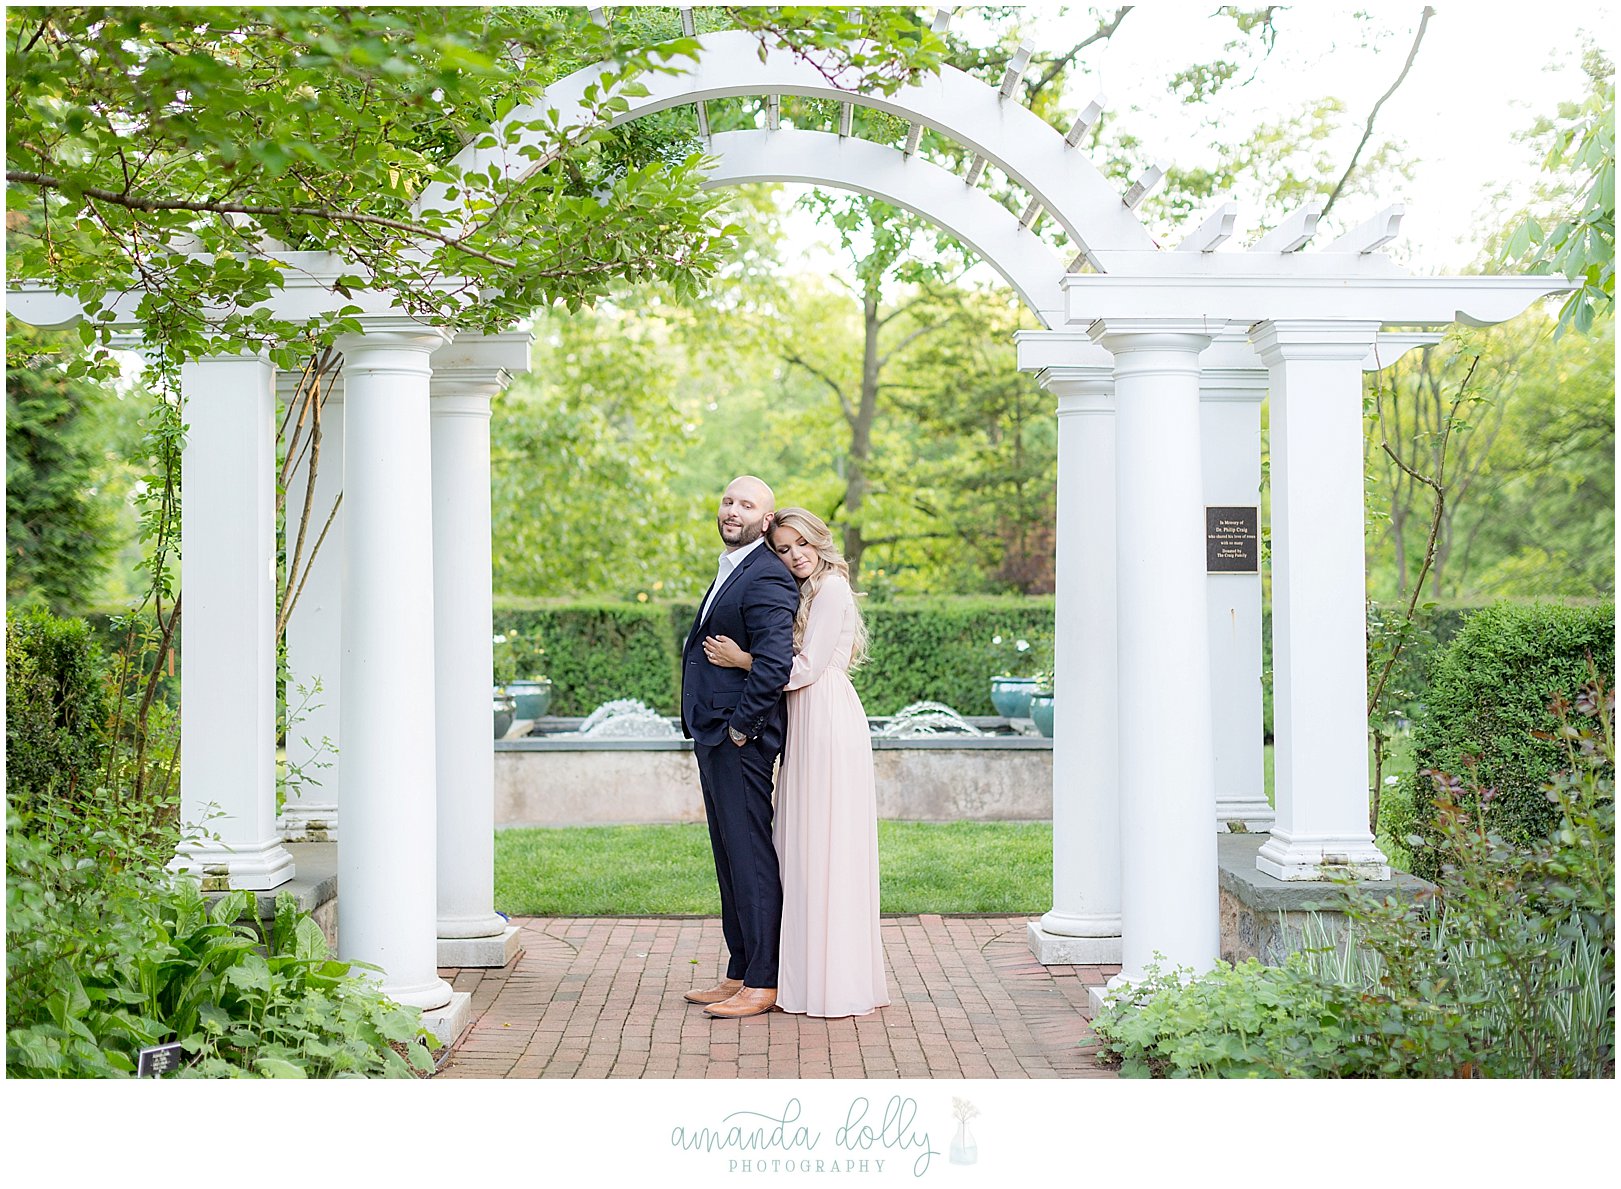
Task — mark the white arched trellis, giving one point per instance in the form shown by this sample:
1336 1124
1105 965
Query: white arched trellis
1159 360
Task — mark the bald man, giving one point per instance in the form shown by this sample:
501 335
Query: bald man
736 721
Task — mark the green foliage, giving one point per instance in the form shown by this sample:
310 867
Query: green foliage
596 427
1488 701
58 531
56 707
1578 241
1519 429
596 652
327 125
935 649
942 650
105 953
1509 971
1232 1022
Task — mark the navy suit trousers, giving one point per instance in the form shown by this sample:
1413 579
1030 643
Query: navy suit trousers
737 800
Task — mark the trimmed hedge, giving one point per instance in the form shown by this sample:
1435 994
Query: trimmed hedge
1489 692
56 706
934 649
1435 627
595 652
940 650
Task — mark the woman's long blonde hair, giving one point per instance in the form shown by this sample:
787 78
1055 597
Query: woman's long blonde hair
817 535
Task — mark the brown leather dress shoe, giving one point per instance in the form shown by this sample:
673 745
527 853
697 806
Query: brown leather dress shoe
725 989
750 1001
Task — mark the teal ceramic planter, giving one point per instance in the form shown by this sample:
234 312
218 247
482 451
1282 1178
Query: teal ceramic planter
505 712
1041 710
1011 695
532 698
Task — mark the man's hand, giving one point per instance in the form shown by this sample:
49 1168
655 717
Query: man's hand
738 737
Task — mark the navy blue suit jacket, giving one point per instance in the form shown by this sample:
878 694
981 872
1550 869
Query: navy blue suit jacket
756 608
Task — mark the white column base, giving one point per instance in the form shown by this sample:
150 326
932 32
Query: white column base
1096 996
221 868
1320 858
307 821
447 1023
1060 949
492 951
1253 814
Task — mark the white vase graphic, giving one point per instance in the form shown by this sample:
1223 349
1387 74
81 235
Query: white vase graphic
963 1148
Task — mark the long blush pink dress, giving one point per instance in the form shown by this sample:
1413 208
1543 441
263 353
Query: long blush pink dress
826 829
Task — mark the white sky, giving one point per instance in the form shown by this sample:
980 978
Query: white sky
1486 70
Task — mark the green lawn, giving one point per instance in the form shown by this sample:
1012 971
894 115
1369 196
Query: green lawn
991 867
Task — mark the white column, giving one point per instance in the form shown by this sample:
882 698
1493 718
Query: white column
1319 659
315 628
470 932
386 857
1168 894
1230 393
228 617
1084 924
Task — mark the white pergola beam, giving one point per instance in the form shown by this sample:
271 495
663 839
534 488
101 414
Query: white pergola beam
689 28
846 118
1416 302
976 167
1293 233
1144 185
914 184
1089 116
1214 231
1016 68
773 112
1021 144
1372 235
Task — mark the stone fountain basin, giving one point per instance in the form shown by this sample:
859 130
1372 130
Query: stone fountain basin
545 780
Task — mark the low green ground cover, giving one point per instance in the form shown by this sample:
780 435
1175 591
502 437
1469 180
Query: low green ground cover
106 954
1507 971
989 867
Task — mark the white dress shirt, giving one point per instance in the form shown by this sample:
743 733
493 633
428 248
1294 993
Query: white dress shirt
729 562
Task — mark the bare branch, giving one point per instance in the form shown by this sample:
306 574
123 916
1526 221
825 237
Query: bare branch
844 401
132 202
1061 63
1367 129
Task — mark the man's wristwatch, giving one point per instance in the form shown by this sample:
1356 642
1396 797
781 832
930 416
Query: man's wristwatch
738 737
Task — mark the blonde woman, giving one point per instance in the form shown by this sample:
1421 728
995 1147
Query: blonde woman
826 830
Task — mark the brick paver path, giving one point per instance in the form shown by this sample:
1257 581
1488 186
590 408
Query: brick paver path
601 998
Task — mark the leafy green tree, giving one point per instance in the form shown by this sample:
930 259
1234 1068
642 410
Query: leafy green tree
1577 236
163 150
58 526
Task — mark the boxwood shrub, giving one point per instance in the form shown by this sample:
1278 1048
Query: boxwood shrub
934 649
594 651
56 705
1488 695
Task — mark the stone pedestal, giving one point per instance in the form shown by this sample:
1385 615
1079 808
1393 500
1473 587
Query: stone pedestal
494 950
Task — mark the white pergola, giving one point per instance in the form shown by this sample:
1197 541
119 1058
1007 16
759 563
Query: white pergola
1159 360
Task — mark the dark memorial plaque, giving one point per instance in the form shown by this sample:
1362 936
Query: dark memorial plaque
1232 540
158 1060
